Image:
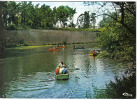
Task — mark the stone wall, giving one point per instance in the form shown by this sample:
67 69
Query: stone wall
40 37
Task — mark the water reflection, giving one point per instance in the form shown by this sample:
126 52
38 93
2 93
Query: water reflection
31 75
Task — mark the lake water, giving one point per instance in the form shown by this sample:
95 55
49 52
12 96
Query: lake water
30 73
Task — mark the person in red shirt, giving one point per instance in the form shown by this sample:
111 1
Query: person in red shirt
94 52
57 70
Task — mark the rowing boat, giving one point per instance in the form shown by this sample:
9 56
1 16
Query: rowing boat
50 49
53 49
61 47
78 48
91 54
62 76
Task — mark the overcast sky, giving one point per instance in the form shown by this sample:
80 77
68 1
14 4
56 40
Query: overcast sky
80 7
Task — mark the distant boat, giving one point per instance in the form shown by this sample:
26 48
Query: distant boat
62 76
50 49
56 50
61 47
78 48
53 49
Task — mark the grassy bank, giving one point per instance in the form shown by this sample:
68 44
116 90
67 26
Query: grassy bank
29 47
65 29
77 29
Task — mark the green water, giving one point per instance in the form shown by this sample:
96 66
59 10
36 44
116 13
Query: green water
30 73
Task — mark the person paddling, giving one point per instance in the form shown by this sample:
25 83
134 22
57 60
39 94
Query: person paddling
61 64
57 71
64 71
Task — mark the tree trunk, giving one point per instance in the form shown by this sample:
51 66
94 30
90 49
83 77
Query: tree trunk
122 12
2 50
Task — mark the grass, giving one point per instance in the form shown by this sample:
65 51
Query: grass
29 47
65 29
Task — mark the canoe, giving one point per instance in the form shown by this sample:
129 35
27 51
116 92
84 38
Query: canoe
52 49
56 50
79 48
61 47
62 76
91 54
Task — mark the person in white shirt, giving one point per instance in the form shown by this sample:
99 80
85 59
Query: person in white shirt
60 70
61 64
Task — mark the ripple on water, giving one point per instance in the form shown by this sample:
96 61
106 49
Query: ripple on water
30 85
32 76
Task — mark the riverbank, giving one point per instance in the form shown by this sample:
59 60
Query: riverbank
53 45
122 88
64 29
29 47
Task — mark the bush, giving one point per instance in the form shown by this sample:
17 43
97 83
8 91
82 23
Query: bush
25 44
116 89
104 54
11 27
10 45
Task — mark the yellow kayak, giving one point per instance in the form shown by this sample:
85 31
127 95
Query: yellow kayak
91 54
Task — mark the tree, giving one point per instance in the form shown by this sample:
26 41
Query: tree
2 50
23 11
119 36
86 20
71 14
123 9
93 19
46 16
64 13
10 13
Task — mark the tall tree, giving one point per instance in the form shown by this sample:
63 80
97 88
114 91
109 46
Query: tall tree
46 15
71 14
64 13
119 36
85 19
93 19
2 50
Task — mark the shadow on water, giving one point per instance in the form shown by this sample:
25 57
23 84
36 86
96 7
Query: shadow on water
10 53
62 81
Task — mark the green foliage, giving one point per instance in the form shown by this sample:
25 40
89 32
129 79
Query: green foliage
116 89
10 45
104 54
63 13
11 27
118 42
25 15
117 38
86 20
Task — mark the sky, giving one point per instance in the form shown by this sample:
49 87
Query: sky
80 8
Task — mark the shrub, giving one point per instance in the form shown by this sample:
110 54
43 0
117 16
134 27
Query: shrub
116 89
11 27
